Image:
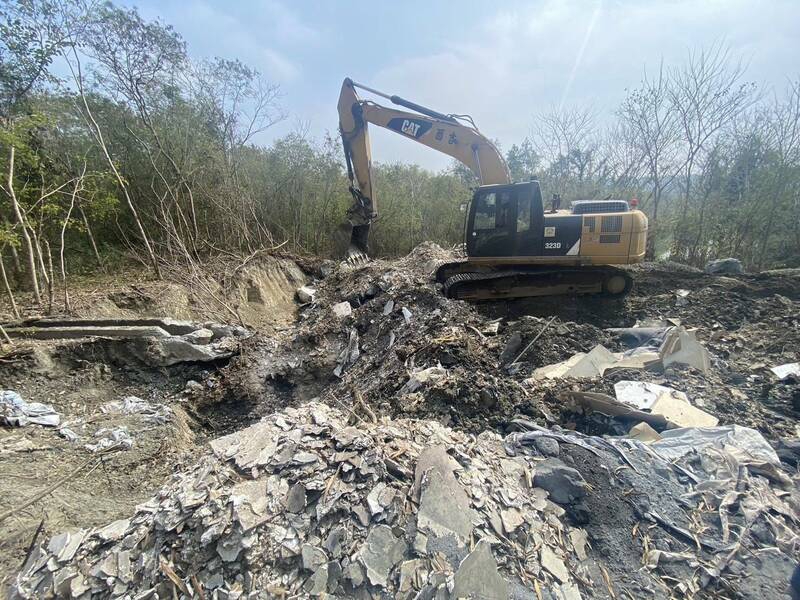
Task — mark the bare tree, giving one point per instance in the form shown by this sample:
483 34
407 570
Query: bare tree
75 68
650 127
24 227
785 140
705 94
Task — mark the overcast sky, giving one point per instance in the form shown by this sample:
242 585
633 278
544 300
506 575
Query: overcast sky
501 62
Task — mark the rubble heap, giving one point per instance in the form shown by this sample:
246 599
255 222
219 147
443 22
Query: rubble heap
313 501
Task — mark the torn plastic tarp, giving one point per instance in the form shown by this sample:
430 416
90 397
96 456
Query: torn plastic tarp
675 443
640 337
15 411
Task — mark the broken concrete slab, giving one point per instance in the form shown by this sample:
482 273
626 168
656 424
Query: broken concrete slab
199 337
76 332
168 351
477 576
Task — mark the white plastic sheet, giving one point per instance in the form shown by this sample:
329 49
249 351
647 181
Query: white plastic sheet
16 411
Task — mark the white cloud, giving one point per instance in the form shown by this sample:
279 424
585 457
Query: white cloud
260 35
520 62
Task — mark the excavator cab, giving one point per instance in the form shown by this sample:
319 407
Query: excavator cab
506 220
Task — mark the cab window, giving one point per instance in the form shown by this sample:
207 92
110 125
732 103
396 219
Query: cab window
494 211
485 212
523 214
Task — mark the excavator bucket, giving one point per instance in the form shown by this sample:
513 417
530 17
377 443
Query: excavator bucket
351 242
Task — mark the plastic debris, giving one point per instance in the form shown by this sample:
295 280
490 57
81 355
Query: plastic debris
16 411
117 437
784 371
133 405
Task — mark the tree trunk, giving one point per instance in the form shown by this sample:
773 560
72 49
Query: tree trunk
50 286
8 288
26 235
63 264
91 237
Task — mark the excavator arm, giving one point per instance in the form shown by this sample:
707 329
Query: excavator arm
450 134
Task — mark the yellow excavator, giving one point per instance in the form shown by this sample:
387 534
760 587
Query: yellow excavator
514 248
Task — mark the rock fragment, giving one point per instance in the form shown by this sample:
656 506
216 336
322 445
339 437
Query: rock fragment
564 484
296 500
477 576
342 309
381 551
553 564
306 293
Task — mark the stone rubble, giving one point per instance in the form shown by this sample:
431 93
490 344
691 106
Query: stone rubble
306 504
303 504
390 491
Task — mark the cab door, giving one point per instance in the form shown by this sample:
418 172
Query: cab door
530 219
505 220
492 222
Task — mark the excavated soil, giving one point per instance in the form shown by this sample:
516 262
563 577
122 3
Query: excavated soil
79 378
747 322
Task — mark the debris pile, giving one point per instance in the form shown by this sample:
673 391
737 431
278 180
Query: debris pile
557 450
14 410
304 503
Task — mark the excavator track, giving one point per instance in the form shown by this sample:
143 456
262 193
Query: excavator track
525 283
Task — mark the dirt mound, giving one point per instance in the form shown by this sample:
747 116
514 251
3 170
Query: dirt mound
259 292
398 323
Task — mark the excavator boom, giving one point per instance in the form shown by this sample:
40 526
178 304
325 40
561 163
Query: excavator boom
451 135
